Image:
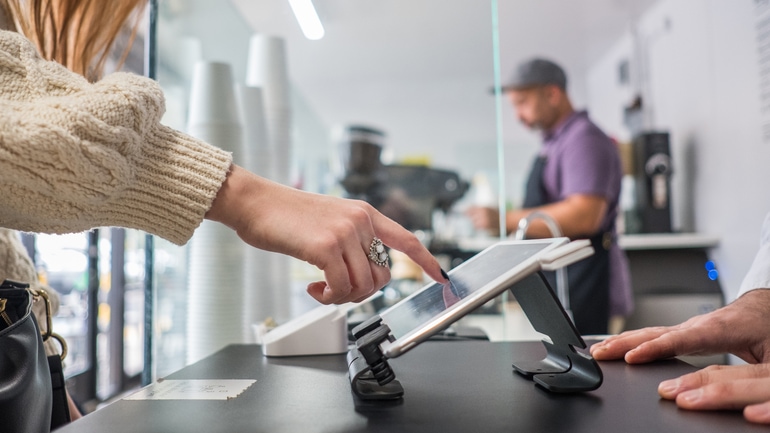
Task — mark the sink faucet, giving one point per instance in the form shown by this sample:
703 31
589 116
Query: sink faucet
562 286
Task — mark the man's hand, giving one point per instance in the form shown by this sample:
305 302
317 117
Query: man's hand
578 215
718 387
740 328
485 218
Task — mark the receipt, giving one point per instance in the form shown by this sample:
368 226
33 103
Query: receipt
205 389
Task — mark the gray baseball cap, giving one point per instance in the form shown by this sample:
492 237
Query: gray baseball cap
536 72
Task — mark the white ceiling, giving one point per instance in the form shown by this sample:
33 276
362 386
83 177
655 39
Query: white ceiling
419 67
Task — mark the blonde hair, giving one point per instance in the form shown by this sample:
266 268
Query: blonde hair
79 34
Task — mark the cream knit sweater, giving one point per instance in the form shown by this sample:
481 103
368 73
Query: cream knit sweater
76 155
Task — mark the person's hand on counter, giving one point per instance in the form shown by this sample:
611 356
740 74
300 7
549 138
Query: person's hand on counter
740 328
724 387
331 233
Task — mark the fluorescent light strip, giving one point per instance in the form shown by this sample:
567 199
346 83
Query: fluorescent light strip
307 18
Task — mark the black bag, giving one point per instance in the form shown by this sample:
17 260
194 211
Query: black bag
32 394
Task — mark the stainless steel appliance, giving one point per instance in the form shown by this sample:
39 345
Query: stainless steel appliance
408 194
653 169
673 279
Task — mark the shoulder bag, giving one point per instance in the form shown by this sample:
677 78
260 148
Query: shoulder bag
32 393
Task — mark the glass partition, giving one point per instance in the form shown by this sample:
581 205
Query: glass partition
393 105
430 112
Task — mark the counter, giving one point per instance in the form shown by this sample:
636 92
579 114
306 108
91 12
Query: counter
456 386
666 241
641 241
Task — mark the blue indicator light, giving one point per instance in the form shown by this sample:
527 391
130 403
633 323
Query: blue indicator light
710 266
713 274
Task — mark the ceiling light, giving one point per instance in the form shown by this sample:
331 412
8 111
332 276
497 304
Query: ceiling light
308 19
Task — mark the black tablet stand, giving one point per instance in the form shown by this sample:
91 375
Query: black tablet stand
563 370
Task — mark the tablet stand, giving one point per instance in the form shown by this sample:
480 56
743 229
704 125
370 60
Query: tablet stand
371 377
563 369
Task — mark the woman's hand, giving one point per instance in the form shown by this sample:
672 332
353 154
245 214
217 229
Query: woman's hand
331 233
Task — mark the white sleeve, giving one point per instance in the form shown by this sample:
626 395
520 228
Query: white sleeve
758 276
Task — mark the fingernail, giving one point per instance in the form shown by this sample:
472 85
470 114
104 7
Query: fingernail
757 413
668 387
445 275
691 397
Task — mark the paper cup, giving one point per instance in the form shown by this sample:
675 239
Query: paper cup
212 98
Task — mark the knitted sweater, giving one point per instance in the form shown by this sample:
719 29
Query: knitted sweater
76 155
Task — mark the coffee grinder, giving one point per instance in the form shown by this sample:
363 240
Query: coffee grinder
408 194
653 169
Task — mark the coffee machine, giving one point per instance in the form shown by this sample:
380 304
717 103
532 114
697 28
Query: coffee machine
407 194
653 169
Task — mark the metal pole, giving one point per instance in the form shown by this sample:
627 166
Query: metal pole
151 71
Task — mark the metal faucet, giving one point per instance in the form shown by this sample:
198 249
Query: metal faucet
562 286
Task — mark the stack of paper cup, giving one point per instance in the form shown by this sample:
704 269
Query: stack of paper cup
216 254
216 291
267 70
259 301
214 116
257 153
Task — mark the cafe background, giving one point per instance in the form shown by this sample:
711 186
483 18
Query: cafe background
420 72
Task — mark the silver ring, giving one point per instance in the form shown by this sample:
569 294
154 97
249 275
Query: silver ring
377 252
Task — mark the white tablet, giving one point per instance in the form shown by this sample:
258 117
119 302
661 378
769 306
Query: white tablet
473 283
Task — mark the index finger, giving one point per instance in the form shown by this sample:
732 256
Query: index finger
617 346
396 236
675 342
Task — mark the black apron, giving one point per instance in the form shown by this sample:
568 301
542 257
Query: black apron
588 279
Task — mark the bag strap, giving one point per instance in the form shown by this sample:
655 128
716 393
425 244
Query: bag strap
60 412
41 294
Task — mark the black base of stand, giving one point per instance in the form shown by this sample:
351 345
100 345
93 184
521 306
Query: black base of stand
563 369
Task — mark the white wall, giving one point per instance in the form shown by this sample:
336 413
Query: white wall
696 63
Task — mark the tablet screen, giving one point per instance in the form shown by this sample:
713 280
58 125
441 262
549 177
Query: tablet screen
470 277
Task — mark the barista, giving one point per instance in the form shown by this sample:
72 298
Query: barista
575 179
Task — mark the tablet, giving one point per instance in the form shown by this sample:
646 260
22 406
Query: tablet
473 283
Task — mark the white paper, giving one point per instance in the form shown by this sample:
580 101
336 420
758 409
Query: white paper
192 390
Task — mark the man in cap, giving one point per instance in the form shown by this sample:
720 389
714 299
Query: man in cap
575 180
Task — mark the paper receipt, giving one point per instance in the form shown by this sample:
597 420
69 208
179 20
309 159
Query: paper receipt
207 389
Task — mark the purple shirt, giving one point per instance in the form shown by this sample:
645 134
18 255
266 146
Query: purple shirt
581 159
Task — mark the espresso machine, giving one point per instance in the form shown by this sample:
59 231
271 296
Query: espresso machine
653 169
407 194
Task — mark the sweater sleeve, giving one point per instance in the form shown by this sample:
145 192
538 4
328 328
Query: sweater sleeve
76 155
